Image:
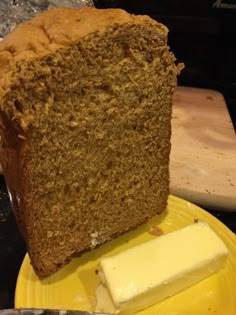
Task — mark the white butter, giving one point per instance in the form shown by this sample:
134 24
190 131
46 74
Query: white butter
148 273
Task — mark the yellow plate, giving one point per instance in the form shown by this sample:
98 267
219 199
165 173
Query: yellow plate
73 287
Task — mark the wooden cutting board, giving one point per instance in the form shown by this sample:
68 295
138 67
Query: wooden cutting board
203 154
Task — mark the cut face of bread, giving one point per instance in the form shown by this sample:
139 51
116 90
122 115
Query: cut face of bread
85 100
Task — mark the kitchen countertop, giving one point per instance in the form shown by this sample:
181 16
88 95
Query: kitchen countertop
12 247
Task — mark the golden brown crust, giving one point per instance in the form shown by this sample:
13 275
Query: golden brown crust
57 28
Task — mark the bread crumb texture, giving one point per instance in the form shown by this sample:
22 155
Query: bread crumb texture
85 104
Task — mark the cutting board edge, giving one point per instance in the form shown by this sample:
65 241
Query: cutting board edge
220 203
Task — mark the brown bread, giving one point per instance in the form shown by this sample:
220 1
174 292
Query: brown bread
85 101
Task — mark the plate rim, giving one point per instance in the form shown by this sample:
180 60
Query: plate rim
179 202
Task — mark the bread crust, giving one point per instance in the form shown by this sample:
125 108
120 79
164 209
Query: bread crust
57 28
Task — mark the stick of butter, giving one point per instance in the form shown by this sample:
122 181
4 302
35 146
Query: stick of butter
148 273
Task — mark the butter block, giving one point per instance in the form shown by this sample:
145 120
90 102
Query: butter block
150 272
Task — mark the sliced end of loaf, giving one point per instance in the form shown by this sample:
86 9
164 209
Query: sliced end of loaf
93 138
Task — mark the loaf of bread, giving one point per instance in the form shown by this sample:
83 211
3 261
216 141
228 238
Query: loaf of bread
85 104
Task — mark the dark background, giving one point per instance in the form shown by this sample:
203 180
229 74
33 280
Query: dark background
203 38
